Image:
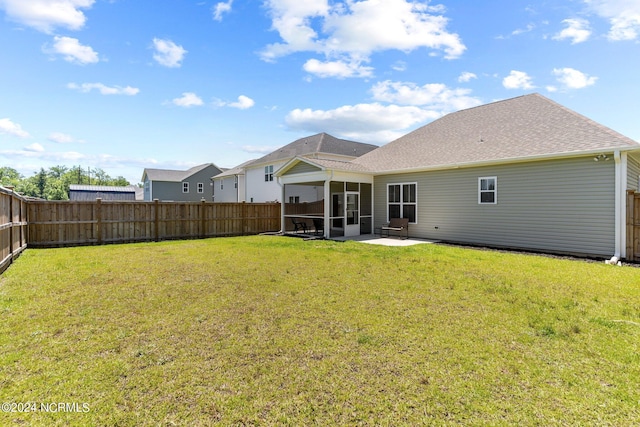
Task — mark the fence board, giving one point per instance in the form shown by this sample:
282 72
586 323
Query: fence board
72 223
13 227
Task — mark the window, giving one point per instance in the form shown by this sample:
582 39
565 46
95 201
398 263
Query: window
235 181
200 187
402 202
222 184
268 173
294 199
185 187
488 190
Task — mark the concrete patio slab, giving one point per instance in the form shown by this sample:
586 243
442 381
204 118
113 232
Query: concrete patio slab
385 241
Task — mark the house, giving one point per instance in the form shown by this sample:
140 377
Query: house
523 173
104 192
229 186
261 184
191 185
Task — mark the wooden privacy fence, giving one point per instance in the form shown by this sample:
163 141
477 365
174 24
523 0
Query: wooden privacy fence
13 227
66 223
633 226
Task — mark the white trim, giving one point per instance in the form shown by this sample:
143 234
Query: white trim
620 204
185 188
495 190
402 202
510 160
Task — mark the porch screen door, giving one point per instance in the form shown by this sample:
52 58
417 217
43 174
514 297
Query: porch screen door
352 213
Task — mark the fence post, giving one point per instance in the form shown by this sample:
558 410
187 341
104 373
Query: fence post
99 220
156 219
244 217
203 223
11 248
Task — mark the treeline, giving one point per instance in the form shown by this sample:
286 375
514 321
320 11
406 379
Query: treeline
53 183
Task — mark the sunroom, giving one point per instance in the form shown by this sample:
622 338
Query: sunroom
325 198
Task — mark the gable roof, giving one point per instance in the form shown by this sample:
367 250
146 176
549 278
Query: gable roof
526 127
238 170
315 144
169 175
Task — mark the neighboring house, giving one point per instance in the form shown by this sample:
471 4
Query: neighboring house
174 185
104 192
522 173
261 184
229 185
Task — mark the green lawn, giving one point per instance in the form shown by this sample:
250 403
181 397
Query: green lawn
280 331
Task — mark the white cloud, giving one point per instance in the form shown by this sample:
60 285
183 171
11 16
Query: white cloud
168 53
220 9
35 147
258 149
46 15
364 122
355 30
243 103
623 15
573 79
399 66
103 89
398 107
436 96
625 28
517 80
11 128
577 31
339 69
188 99
62 138
73 51
466 76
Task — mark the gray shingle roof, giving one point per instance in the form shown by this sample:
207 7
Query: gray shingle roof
528 126
319 143
238 170
169 175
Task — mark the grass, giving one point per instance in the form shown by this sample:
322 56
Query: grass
279 331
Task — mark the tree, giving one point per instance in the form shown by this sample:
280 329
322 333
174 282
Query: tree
53 184
10 176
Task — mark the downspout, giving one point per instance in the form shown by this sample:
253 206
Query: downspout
620 210
282 227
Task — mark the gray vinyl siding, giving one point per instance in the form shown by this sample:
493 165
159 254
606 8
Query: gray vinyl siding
552 206
633 173
302 167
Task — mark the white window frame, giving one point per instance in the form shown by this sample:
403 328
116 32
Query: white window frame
268 173
493 191
185 187
200 187
402 202
222 184
294 199
235 181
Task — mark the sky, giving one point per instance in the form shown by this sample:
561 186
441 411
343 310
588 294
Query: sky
125 85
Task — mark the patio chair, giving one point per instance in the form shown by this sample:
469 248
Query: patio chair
318 224
299 226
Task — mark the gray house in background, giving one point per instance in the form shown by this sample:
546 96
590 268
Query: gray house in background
522 173
104 192
191 185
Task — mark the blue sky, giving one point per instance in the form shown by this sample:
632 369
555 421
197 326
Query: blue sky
128 84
